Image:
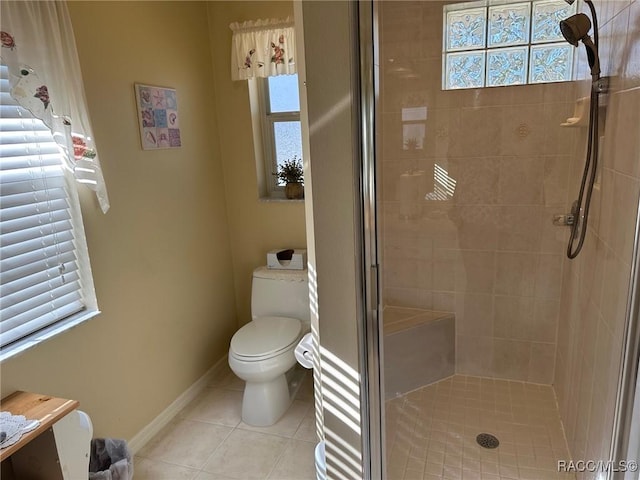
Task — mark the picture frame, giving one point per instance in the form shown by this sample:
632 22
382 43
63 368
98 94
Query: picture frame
158 117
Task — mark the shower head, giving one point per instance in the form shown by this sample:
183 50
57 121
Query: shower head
575 29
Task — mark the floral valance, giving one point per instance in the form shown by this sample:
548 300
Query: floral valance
39 49
263 48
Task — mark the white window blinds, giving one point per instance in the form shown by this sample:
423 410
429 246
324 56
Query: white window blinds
39 270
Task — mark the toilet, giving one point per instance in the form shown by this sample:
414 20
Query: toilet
261 352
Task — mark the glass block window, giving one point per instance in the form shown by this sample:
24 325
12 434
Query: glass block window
507 66
550 63
546 18
466 29
498 43
509 25
465 69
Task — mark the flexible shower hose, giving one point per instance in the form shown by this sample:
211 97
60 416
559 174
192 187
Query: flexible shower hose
579 227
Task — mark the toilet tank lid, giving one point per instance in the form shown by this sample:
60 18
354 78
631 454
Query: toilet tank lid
276 274
265 335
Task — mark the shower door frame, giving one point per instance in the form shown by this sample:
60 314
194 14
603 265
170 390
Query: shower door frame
372 354
627 409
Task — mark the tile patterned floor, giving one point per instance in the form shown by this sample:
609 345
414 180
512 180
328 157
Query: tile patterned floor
431 432
209 441
430 435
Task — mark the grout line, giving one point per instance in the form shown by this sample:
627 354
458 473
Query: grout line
529 429
202 470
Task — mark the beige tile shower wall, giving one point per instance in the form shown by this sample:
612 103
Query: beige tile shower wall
489 253
596 285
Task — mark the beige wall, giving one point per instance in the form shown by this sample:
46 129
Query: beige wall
333 219
596 284
161 257
255 226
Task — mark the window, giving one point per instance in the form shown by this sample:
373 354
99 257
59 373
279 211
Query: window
45 277
282 137
490 44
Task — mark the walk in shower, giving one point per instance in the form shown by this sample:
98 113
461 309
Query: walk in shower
501 356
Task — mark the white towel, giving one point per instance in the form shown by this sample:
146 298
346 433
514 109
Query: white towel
12 427
304 351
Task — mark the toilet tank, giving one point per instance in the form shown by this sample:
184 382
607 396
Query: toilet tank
282 293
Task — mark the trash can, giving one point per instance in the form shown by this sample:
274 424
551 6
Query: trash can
110 460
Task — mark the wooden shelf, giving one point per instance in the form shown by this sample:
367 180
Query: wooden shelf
34 406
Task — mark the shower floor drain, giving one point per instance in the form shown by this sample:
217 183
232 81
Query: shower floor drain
486 440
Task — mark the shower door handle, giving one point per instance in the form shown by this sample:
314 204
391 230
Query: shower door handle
373 283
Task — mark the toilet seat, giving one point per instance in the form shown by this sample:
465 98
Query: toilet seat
265 337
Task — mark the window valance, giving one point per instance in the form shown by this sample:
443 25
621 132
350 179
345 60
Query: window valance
263 48
39 49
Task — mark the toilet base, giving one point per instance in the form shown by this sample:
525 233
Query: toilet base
265 402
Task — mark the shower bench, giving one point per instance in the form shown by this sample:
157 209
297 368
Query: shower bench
419 348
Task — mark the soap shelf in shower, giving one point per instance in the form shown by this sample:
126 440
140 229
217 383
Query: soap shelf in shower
580 116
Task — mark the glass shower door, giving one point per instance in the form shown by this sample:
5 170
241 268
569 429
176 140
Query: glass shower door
480 312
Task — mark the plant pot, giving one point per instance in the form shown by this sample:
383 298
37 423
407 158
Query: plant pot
294 190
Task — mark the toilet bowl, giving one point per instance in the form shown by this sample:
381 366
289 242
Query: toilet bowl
262 352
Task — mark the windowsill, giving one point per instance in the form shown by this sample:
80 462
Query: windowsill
21 346
279 200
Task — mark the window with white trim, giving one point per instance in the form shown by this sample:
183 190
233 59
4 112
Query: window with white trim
496 43
45 276
281 129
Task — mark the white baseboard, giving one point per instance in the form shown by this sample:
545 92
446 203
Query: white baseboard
148 432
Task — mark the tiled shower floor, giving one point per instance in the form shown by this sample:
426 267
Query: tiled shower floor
431 432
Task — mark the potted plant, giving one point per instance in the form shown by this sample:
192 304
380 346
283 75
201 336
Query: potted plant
291 174
411 144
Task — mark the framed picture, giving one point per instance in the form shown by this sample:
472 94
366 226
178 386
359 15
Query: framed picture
157 117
